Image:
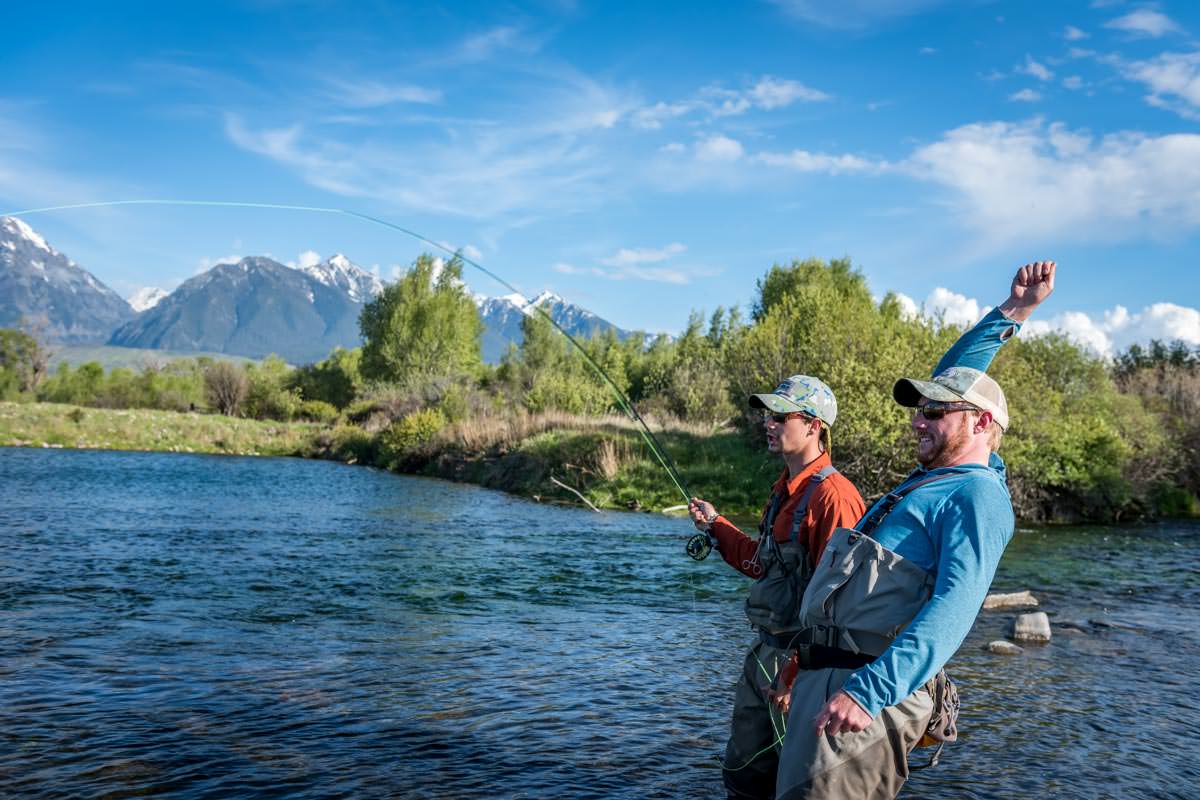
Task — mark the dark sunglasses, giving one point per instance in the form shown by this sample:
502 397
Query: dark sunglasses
779 419
935 411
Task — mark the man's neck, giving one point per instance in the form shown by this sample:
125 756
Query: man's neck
798 462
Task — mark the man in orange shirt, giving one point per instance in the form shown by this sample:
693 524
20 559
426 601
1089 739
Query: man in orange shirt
808 503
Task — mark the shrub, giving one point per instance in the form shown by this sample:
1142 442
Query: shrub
316 411
402 441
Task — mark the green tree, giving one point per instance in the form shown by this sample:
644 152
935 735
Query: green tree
423 326
337 380
23 363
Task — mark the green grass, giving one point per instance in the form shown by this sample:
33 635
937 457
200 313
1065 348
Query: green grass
136 358
56 425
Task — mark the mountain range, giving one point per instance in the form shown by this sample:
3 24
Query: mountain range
253 308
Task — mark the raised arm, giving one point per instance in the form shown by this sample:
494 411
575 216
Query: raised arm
976 348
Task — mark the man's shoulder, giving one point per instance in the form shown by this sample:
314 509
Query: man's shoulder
837 486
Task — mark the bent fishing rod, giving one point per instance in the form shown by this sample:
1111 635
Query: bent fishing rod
698 546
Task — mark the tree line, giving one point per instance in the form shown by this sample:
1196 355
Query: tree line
1090 439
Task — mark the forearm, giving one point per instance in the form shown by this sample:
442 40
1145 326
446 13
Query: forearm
734 546
978 346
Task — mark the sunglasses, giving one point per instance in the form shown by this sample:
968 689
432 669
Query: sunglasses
935 411
779 419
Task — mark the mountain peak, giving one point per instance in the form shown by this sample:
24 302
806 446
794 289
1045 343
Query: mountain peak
17 227
340 272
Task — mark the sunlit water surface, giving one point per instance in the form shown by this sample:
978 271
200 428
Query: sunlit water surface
194 626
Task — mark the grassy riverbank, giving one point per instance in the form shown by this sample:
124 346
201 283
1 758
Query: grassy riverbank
59 425
604 458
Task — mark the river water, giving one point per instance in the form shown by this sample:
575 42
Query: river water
214 627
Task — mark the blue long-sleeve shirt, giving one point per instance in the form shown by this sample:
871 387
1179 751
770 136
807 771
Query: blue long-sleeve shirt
956 529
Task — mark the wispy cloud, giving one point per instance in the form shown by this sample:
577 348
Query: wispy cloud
1173 80
375 94
631 263
1144 22
719 148
1037 70
1025 96
853 14
804 161
1073 34
768 93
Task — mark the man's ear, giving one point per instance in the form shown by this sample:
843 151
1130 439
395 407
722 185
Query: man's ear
983 422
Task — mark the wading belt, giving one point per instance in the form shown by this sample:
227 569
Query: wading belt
816 656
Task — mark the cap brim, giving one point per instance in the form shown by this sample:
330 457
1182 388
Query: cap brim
908 392
773 402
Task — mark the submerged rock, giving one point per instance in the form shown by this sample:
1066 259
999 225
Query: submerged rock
1002 648
1010 600
1033 627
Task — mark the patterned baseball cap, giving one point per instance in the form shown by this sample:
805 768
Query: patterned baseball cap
957 384
799 393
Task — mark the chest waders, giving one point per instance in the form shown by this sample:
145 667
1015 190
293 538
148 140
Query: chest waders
860 597
773 604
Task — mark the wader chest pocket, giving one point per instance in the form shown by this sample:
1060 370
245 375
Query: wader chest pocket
774 599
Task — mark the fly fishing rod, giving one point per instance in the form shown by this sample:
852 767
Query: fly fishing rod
698 546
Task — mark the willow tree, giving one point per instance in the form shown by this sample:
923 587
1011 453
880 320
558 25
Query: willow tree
423 326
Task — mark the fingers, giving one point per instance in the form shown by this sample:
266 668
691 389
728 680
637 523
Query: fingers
1037 272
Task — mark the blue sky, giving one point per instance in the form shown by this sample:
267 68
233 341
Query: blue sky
642 160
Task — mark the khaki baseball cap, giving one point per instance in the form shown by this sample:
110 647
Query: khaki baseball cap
957 384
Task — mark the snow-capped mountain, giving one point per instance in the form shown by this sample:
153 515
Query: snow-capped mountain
146 297
340 272
502 318
252 308
47 293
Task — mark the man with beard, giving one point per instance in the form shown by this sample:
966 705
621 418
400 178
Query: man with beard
903 587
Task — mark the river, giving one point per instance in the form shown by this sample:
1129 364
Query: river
217 627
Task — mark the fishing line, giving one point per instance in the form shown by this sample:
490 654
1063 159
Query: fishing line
623 402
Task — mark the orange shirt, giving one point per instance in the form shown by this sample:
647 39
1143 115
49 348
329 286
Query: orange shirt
835 503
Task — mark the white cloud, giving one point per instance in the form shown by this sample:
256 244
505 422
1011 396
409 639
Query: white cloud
1073 82
927 51
853 14
771 93
309 258
719 148
1073 34
804 161
472 252
1107 334
547 159
673 147
1144 22
1115 330
767 94
908 307
1025 96
1031 67
652 117
375 94
952 308
1171 78
1031 182
629 263
643 255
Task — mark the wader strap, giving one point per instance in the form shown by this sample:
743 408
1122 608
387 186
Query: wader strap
870 522
802 507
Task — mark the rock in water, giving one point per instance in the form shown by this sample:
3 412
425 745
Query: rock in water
1003 648
1033 627
1010 600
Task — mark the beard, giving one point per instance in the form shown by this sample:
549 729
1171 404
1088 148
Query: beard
944 450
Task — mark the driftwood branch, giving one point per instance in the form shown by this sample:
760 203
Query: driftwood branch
576 492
